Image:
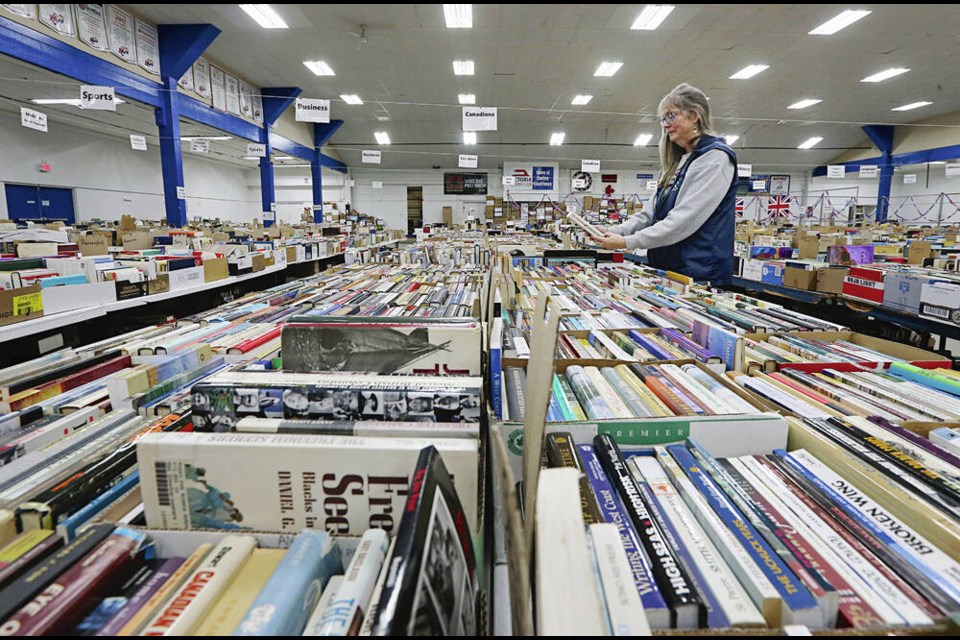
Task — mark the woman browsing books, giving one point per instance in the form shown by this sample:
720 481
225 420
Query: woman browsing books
690 226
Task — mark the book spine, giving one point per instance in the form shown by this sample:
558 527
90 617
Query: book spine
560 453
516 382
192 600
344 614
686 606
26 550
794 595
139 598
75 592
371 615
589 396
290 595
67 528
624 608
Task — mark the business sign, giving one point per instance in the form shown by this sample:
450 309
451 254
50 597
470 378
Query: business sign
464 183
543 179
479 118
312 110
370 157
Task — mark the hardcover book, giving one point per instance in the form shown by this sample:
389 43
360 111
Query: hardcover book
286 483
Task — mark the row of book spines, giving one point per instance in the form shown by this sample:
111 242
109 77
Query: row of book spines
854 611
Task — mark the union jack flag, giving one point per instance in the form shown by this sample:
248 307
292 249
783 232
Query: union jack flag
738 208
778 206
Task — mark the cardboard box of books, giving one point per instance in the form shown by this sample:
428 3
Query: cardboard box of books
17 305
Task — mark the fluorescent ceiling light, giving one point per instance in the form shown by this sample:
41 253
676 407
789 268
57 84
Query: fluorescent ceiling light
290 166
71 101
469 137
643 140
937 162
749 71
607 68
803 104
841 21
319 67
383 117
912 105
252 158
351 98
731 138
191 138
458 16
467 98
265 16
557 139
463 67
885 75
382 137
811 142
581 98
651 16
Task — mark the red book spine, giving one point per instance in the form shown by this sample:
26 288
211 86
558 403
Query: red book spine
94 373
67 600
253 343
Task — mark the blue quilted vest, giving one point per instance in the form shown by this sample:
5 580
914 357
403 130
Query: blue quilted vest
707 254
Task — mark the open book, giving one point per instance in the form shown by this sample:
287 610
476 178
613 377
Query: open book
583 224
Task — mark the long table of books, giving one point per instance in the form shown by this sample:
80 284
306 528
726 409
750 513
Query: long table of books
347 452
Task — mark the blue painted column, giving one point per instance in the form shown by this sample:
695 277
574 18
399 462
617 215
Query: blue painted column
322 132
276 100
882 137
179 46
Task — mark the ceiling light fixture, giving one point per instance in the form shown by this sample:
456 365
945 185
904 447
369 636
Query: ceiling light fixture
749 71
463 67
651 16
458 16
810 142
803 104
467 98
319 67
581 99
731 138
212 138
69 101
557 139
469 137
351 98
911 106
841 21
264 15
885 75
607 69
382 137
643 140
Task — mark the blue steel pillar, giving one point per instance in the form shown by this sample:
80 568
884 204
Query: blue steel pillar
322 132
882 137
275 102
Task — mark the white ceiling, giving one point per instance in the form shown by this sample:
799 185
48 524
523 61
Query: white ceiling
532 59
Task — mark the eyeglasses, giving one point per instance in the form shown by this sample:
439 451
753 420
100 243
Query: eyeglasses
668 117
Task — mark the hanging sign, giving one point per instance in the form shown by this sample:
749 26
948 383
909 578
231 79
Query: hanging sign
836 171
256 150
909 178
137 142
312 110
200 146
744 170
97 98
467 161
370 157
953 168
590 166
33 119
869 171
479 118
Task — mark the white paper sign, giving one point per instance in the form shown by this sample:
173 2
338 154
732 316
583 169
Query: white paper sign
181 193
22 10
186 81
590 166
256 102
509 181
58 17
90 24
256 150
744 170
200 146
313 110
370 157
467 161
138 143
201 78
33 119
579 184
652 185
909 178
377 184
868 171
233 94
147 51
218 88
759 185
836 171
479 118
953 168
246 101
120 34
97 98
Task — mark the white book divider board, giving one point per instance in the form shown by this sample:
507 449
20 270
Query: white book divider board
537 395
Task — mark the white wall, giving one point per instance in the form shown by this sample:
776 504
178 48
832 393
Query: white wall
293 189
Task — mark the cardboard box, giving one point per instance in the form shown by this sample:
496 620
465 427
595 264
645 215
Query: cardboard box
797 278
448 216
160 284
127 223
93 245
808 247
17 305
292 255
940 301
240 265
830 279
258 261
215 269
864 283
918 251
772 273
901 291
136 240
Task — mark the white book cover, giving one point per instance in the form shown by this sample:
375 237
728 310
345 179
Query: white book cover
285 483
624 608
186 609
329 593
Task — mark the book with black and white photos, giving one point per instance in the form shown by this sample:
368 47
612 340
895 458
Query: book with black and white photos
432 584
222 399
381 344
190 480
359 428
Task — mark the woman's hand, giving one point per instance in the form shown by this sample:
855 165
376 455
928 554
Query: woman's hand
611 241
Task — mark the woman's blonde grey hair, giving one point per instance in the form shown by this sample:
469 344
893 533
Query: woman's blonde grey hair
683 97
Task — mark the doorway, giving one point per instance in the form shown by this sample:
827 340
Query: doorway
42 204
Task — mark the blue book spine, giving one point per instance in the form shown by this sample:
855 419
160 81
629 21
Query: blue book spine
496 379
612 510
561 400
289 596
67 528
76 278
649 345
793 593
716 618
